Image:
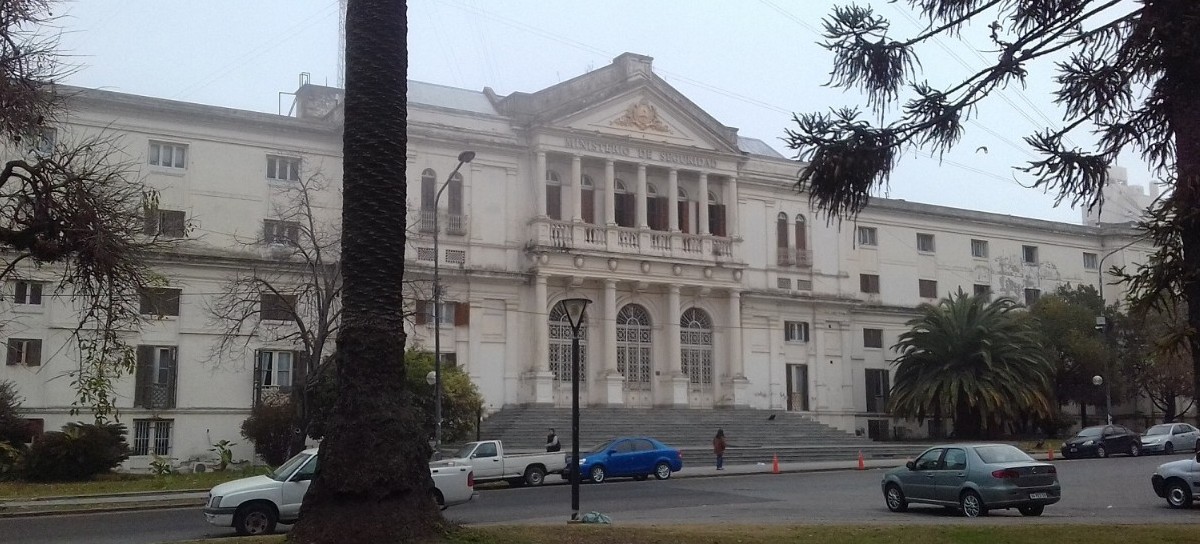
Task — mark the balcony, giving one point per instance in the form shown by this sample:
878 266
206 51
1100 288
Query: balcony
783 256
566 235
454 224
157 396
804 257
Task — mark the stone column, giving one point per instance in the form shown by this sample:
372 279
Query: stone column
702 220
577 188
641 197
539 184
610 193
673 200
737 361
614 383
674 369
543 379
732 228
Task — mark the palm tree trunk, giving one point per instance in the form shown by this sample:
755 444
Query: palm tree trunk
374 483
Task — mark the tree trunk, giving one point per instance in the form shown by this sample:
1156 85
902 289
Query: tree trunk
374 483
1083 414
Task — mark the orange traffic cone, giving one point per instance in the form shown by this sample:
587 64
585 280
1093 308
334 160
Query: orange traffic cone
1050 453
862 465
775 464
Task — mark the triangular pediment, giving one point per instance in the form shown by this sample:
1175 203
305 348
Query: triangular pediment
641 115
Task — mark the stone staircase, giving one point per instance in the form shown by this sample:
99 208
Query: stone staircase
752 435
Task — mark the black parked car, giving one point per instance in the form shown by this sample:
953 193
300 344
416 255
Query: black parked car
1102 441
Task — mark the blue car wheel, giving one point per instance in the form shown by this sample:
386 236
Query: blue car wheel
597 474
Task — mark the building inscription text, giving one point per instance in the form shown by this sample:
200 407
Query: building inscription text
609 148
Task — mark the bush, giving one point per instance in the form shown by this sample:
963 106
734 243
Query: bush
14 430
269 427
10 460
78 452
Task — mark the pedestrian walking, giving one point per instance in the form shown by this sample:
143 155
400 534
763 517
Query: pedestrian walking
552 444
719 448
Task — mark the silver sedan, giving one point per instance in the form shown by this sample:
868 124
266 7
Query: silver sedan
974 478
1169 438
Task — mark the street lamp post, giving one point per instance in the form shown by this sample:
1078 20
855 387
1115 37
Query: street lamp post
463 158
1097 380
575 308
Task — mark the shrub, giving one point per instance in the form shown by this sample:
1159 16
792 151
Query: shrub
269 427
10 460
14 430
78 452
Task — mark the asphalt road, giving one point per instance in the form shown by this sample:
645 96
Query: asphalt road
1095 491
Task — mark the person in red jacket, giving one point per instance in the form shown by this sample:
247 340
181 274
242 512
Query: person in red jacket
719 448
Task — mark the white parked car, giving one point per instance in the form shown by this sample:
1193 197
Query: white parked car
490 463
254 505
1169 438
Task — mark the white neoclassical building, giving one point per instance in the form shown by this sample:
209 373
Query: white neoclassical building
713 284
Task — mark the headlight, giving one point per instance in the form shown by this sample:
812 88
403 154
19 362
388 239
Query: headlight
1089 442
215 501
582 461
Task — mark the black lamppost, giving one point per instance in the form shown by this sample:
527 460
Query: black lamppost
575 308
463 158
1097 380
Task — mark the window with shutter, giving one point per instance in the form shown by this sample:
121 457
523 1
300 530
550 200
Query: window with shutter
716 219
554 202
24 351
27 292
421 315
462 314
684 225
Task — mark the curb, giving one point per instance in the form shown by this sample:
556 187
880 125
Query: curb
133 507
103 495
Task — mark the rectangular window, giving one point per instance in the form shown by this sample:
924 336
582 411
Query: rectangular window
40 141
160 301
925 243
927 288
867 236
869 283
979 249
281 232
168 155
283 168
1032 296
426 254
795 331
275 368
152 437
165 223
1029 254
276 307
783 283
155 377
878 389
1090 261
27 292
24 351
873 338
983 290
446 315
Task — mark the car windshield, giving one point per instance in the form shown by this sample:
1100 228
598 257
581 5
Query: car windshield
1002 453
286 469
1089 432
465 451
598 448
1158 429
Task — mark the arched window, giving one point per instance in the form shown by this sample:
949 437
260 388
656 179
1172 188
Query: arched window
560 345
716 215
781 231
428 188
696 348
455 195
801 233
685 211
588 200
651 190
656 209
634 346
553 195
623 205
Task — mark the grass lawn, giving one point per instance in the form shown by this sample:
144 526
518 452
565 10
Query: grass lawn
811 534
123 483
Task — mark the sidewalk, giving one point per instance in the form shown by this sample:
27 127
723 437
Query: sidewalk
195 498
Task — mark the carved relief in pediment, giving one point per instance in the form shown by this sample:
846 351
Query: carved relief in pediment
642 116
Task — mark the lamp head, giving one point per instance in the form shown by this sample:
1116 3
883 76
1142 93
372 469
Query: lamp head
1097 380
466 156
575 308
431 378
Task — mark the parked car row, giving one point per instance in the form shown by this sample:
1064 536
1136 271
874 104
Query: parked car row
1106 440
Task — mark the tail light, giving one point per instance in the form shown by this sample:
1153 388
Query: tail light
1006 473
471 480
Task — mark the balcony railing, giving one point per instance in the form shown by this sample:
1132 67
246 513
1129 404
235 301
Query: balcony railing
783 256
581 236
454 224
157 396
804 257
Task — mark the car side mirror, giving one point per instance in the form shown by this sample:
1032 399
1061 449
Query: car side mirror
912 465
303 477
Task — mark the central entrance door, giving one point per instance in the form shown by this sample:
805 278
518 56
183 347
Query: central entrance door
696 354
560 356
634 360
797 388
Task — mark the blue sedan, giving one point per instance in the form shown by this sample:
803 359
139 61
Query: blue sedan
636 456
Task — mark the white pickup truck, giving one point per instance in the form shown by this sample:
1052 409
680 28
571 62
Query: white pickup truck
489 462
254 505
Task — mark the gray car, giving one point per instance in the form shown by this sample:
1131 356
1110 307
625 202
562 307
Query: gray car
974 478
1169 438
1176 481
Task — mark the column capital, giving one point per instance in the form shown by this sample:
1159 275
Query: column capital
673 289
608 282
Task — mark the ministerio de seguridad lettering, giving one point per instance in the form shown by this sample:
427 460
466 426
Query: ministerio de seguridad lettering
609 148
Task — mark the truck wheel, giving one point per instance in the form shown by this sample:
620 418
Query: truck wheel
255 519
438 499
534 476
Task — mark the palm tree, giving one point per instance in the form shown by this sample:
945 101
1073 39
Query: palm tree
981 362
373 484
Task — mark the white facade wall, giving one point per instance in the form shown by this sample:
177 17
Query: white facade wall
511 263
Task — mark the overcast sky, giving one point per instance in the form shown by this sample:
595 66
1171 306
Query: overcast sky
749 63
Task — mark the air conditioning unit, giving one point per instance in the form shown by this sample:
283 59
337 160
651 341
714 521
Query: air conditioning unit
199 468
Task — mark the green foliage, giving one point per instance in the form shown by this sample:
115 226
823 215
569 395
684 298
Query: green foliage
79 452
222 449
461 400
1067 320
13 429
269 427
11 458
161 466
981 362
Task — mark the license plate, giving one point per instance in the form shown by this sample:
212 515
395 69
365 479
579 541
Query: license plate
1039 495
